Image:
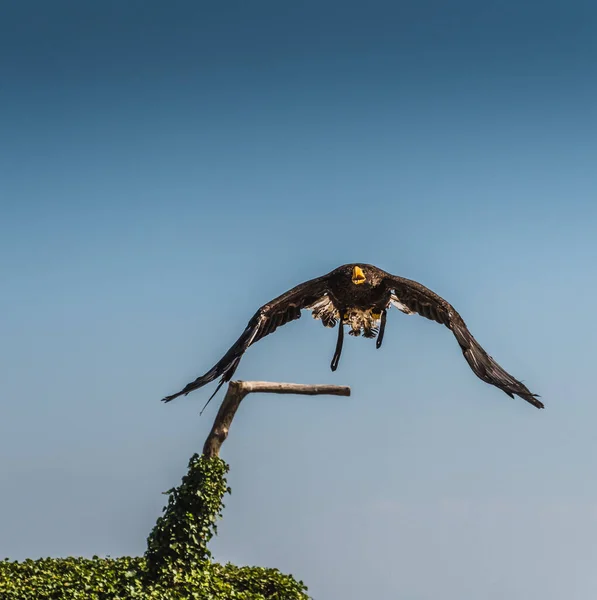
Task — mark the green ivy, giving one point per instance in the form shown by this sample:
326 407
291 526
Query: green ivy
176 565
178 542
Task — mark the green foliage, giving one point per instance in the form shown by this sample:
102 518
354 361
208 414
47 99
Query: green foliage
176 565
126 578
178 542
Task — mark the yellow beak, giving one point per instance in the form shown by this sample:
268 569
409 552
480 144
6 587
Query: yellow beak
357 275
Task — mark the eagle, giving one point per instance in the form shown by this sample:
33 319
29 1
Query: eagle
359 296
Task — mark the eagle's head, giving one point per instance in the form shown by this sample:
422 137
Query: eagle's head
361 274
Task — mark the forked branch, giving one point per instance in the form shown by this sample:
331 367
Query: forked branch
237 390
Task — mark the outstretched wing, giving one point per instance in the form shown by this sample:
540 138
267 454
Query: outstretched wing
266 320
410 296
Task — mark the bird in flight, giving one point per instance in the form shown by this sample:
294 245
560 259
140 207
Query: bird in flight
359 296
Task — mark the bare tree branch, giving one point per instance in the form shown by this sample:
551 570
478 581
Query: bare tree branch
237 390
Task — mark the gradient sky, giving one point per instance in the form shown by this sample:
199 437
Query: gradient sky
168 167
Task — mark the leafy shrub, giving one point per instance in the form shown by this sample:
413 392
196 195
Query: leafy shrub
176 565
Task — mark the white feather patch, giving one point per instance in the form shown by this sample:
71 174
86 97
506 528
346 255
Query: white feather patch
394 301
324 307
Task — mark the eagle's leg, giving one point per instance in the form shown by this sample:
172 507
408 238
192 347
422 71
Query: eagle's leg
338 351
382 328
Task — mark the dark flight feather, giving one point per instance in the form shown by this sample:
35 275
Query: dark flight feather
266 320
428 304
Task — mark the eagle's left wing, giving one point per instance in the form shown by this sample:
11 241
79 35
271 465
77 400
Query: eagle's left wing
410 296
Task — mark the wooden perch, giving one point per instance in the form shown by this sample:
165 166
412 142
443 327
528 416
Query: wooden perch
237 390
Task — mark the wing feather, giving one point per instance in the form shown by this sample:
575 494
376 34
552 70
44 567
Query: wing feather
417 298
266 320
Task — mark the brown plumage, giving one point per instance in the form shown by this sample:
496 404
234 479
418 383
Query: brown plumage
359 295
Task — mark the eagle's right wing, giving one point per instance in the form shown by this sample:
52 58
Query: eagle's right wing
266 320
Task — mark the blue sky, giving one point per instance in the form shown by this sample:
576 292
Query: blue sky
169 167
